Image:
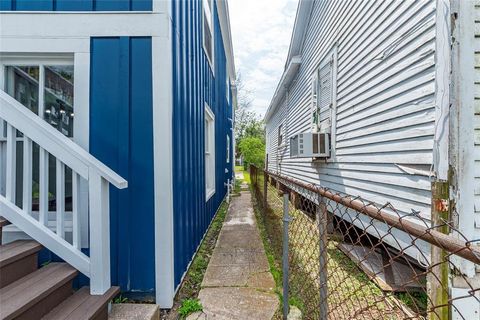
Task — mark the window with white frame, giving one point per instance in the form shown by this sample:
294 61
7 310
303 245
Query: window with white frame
208 34
45 86
228 148
323 95
314 102
209 152
280 133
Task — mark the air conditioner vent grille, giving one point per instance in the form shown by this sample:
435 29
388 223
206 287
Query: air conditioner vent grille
310 145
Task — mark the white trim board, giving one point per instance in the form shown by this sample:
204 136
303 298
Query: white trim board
162 82
55 25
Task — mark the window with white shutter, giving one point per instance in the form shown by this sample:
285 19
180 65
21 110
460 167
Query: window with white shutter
314 103
324 97
324 86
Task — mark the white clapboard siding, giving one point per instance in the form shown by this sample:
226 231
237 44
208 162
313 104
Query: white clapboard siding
385 113
477 119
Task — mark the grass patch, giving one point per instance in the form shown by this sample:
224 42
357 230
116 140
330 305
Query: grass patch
273 259
189 306
246 175
191 284
351 293
417 301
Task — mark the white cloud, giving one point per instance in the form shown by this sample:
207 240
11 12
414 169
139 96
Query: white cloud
261 32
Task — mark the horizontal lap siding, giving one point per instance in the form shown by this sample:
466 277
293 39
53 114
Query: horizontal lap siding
76 5
195 84
477 118
385 101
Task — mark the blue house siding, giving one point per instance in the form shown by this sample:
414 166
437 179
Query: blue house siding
76 5
121 136
193 85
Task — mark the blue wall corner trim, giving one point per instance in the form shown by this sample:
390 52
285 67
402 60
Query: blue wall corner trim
121 136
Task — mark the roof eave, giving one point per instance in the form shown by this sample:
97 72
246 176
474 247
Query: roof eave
287 78
223 16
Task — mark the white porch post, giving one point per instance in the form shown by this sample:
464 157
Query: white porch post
99 234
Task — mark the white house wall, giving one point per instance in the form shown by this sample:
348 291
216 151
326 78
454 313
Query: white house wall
385 101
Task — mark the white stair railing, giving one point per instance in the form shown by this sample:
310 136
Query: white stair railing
50 142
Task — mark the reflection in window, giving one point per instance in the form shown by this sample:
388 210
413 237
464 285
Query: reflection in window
59 98
22 84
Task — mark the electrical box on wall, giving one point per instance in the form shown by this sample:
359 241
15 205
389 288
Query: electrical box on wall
310 145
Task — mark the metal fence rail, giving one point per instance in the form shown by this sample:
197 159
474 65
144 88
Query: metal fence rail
346 258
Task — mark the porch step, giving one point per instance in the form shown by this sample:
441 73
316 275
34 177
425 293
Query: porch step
4 222
34 295
18 259
83 306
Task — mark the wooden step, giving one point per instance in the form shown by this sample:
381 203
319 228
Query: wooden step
17 259
83 306
34 295
4 222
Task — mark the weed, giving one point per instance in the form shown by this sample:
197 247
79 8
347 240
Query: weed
46 263
189 306
192 282
120 299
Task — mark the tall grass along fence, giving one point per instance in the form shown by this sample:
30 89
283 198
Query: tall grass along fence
346 258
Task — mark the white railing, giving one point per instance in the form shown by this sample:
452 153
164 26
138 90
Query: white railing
84 167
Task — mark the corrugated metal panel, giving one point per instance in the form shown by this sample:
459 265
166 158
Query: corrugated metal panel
121 136
194 84
385 100
477 118
76 5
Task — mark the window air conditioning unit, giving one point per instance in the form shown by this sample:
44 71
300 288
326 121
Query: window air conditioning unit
310 145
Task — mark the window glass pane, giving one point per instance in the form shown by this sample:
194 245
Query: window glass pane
207 39
59 110
207 144
21 82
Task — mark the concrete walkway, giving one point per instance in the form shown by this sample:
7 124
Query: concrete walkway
238 283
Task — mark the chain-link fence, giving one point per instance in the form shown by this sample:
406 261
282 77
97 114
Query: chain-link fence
351 259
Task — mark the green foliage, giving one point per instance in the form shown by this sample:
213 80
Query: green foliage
415 300
248 124
192 283
253 151
46 263
120 299
189 306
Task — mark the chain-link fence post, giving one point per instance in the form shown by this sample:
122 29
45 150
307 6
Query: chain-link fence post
322 220
438 278
286 220
265 190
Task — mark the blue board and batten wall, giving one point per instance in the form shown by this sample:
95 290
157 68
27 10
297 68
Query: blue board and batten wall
121 136
194 84
76 5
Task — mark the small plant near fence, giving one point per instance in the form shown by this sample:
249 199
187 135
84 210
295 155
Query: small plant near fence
346 258
189 306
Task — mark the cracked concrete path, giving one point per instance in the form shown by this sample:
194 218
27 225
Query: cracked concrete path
238 283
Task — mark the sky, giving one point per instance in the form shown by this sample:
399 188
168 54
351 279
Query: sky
261 31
